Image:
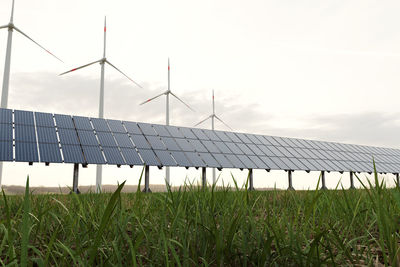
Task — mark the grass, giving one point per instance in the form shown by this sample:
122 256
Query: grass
195 226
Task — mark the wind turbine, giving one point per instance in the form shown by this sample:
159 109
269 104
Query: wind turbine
213 117
167 93
102 62
6 77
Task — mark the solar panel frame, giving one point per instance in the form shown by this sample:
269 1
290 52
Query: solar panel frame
258 162
235 161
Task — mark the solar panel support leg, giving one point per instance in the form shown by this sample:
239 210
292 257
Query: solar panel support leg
352 181
290 187
323 186
75 179
203 177
397 180
146 179
251 185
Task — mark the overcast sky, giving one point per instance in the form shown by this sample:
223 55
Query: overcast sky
325 70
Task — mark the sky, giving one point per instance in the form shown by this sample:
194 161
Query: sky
324 70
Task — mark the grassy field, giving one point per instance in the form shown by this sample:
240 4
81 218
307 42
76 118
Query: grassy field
193 226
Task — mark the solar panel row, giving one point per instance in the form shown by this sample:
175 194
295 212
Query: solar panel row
59 138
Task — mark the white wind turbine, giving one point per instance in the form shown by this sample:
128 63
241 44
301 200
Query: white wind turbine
212 117
167 93
6 77
102 62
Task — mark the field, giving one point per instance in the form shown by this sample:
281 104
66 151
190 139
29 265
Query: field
194 226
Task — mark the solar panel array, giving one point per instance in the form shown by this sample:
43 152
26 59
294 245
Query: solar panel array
53 138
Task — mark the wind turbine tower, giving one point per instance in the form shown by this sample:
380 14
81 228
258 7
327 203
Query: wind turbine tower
213 116
6 77
167 93
102 62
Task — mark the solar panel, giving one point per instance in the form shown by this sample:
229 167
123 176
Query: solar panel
222 147
174 131
198 146
72 154
123 140
234 148
82 123
222 136
233 137
254 139
6 151
235 161
170 143
270 164
246 150
131 156
93 155
87 138
243 138
247 162
165 158
116 126
209 160
199 134
50 153
258 162
184 144
113 156
155 142
187 133
47 135
100 125
148 157
25 133
161 130
64 121
132 127
195 159
44 119
26 152
210 146
181 159
23 117
140 141
68 136
211 135
225 163
6 132
146 128
5 115
106 139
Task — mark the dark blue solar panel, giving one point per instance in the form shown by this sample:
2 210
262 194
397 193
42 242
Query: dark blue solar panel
87 138
271 165
148 157
255 149
280 163
123 140
187 133
72 154
25 133
165 158
100 125
93 155
210 146
44 119
49 153
211 135
6 151
209 160
131 156
233 137
6 132
140 141
113 156
269 140
155 142
184 144
170 143
253 138
258 162
200 134
146 128
116 126
82 123
195 159
234 148
247 162
23 117
222 147
64 121
198 146
47 135
174 131
132 127
107 139
246 150
68 136
161 130
26 152
5 115
181 159
225 163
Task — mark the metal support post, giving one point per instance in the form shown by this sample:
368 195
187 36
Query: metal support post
352 181
75 179
323 186
251 185
146 179
290 187
203 177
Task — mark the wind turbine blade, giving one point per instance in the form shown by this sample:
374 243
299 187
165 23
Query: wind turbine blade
182 101
223 122
150 99
108 62
4 26
18 30
81 67
203 121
